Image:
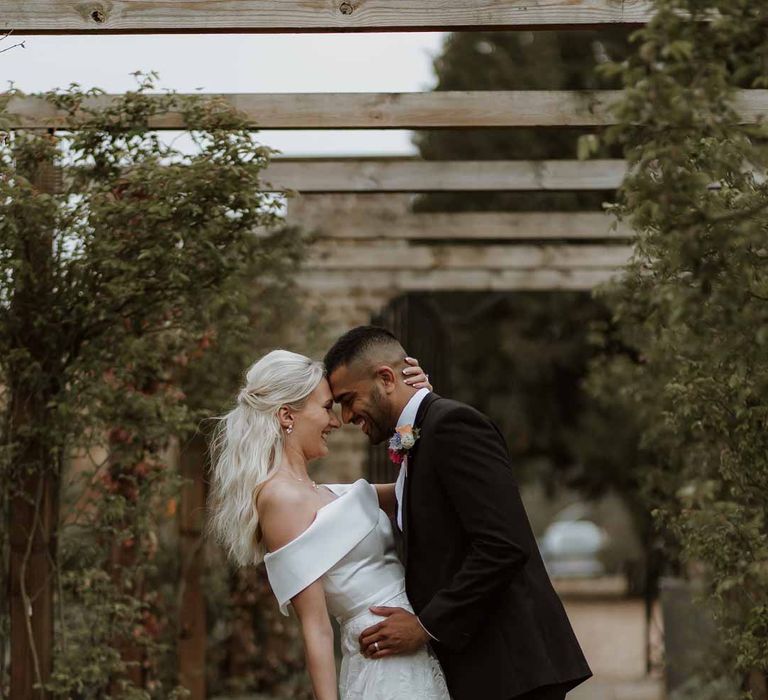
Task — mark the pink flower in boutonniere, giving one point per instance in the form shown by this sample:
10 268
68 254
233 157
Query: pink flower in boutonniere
401 442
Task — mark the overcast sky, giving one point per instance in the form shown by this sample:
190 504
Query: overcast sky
243 63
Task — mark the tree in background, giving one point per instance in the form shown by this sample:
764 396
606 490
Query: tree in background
243 643
527 364
119 254
17 45
694 302
518 61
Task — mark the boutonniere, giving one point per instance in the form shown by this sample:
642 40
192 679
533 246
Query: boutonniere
401 442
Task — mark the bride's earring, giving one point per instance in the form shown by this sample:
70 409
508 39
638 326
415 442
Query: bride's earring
289 429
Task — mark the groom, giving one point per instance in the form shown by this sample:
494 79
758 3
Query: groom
474 574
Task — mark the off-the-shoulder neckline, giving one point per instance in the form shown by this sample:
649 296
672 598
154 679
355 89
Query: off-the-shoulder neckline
318 512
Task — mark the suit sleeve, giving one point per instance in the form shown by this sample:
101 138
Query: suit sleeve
473 467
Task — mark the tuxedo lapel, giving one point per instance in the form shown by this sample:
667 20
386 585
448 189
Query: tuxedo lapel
412 457
421 414
429 399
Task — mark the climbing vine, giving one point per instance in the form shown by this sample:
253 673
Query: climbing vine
694 303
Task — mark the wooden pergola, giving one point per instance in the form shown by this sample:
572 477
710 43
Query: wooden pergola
371 247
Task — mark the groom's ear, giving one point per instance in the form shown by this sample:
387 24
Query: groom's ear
388 377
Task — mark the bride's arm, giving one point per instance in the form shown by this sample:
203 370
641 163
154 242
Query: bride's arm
318 640
284 514
387 500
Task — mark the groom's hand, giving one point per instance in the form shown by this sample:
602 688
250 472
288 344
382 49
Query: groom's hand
399 633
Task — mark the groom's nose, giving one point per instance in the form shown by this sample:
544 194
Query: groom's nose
346 414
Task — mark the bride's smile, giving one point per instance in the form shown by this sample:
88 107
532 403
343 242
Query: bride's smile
311 425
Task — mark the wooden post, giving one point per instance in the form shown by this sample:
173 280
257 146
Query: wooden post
33 512
123 553
757 685
122 558
32 557
192 621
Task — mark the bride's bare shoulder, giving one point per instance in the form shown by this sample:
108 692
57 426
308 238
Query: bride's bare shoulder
279 497
284 512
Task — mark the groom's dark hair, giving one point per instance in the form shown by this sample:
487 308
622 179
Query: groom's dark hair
356 343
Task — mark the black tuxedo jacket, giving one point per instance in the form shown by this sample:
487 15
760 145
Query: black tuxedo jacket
474 574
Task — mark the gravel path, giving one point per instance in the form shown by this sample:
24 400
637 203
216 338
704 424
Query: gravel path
611 632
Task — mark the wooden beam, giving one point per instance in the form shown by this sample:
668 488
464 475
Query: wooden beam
444 176
401 281
377 110
400 255
399 176
389 216
420 110
271 16
496 226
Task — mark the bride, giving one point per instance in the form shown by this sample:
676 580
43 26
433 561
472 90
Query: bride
329 549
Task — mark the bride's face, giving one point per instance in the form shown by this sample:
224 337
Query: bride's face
314 422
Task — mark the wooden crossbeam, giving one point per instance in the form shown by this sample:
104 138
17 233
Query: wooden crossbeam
364 282
390 177
420 110
354 175
441 176
457 109
400 255
292 16
493 226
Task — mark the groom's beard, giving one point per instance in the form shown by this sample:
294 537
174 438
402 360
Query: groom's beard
378 418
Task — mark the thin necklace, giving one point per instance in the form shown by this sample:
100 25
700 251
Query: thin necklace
301 480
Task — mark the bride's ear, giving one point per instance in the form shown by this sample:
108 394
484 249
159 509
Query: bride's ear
285 416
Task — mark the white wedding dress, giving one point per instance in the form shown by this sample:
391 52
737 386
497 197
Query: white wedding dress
350 548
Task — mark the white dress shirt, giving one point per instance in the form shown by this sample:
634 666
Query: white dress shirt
407 417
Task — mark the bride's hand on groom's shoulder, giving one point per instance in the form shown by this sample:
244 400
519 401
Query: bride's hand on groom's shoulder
400 632
415 376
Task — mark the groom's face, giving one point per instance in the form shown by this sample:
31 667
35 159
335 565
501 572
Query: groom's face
363 402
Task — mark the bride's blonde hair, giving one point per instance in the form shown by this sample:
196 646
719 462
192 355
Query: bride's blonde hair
248 444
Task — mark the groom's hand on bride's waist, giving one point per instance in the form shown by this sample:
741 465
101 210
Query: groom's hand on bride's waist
400 632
